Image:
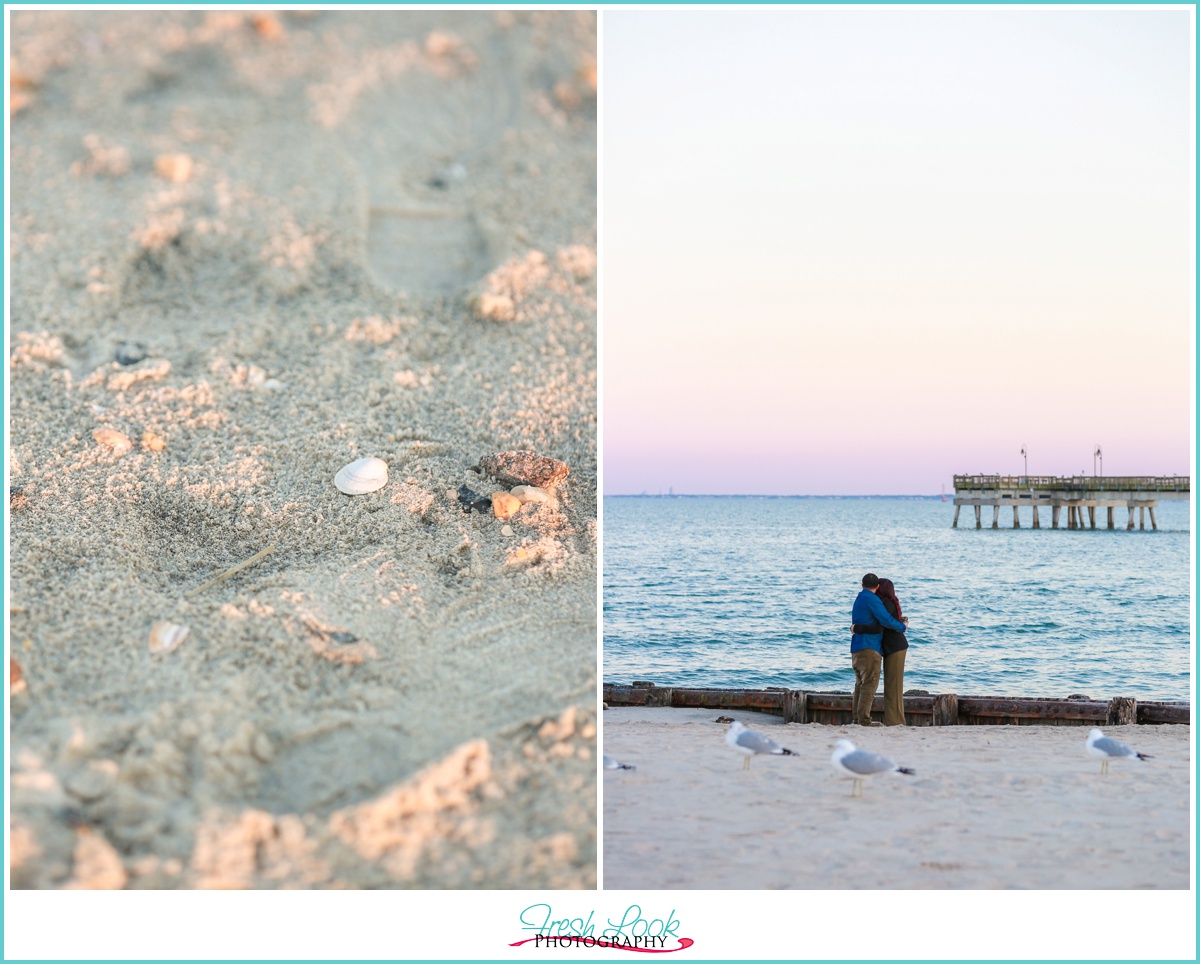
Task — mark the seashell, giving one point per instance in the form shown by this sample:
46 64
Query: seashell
165 636
173 167
112 439
504 505
524 468
531 493
362 476
16 680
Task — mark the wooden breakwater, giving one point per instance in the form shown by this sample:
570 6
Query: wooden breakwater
931 709
1081 495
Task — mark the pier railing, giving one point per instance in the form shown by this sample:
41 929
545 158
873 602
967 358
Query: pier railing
1075 483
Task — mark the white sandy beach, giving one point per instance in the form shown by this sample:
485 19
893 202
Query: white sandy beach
988 807
332 234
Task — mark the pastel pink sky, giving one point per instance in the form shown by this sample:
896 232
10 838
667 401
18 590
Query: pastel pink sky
859 251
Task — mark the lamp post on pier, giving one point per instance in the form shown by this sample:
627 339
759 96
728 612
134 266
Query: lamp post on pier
1097 455
1025 456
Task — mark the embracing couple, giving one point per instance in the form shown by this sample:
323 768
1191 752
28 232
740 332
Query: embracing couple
878 640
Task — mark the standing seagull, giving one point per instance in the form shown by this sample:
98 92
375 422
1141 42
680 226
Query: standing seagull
611 764
859 764
1106 748
751 742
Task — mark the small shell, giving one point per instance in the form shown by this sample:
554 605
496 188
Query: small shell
365 475
16 680
165 636
531 493
112 439
524 468
173 167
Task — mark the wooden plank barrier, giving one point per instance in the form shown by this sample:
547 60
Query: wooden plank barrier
934 709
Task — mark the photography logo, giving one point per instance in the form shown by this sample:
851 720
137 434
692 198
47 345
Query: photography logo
633 932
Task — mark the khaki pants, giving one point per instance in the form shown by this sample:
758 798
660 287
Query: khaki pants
893 689
866 663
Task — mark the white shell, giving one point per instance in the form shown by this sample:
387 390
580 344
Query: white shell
532 493
365 475
165 636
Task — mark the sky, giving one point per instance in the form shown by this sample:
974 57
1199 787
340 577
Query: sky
860 251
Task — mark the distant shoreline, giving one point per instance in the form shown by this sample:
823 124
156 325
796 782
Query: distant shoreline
936 497
752 495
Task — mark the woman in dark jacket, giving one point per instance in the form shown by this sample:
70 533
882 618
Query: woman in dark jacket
895 645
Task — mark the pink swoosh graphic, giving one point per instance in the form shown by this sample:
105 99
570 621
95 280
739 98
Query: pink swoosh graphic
684 944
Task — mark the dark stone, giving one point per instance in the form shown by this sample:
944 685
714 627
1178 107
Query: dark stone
343 638
723 719
130 352
438 183
916 692
473 501
1079 698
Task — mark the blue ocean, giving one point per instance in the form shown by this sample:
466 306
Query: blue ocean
756 591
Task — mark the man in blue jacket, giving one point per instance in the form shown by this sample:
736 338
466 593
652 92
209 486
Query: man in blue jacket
866 650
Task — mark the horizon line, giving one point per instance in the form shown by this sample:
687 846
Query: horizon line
778 495
769 495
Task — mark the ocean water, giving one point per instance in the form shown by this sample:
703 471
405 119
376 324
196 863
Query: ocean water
756 591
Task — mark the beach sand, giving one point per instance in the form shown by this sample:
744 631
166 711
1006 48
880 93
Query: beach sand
333 235
988 807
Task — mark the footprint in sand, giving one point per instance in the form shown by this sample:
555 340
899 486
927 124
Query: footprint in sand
418 144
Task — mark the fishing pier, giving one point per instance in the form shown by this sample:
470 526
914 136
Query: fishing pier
1082 495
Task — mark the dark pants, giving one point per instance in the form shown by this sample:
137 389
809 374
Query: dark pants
866 663
893 689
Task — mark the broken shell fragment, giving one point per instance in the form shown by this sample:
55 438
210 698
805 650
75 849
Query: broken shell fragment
153 441
531 493
361 477
173 167
504 505
110 438
16 680
166 636
524 468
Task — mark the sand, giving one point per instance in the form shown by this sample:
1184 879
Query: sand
989 807
335 235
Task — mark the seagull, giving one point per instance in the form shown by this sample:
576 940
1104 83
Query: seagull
751 742
1105 748
611 764
859 764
